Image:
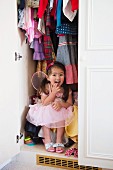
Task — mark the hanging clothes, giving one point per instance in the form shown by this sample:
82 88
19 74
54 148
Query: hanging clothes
48 46
21 4
38 44
38 50
59 12
67 10
74 4
67 54
42 7
57 23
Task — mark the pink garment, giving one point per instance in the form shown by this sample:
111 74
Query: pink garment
27 18
39 114
37 34
29 23
71 74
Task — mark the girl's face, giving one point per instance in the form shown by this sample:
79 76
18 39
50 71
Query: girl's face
56 76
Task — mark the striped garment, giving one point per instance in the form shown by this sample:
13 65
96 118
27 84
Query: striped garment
67 54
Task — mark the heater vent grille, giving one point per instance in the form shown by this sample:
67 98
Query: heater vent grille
64 163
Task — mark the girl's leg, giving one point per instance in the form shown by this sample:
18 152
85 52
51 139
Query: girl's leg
47 139
46 132
60 134
59 138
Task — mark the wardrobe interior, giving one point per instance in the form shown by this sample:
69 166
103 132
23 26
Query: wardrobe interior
48 31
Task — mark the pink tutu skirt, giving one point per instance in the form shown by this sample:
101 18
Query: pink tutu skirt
39 114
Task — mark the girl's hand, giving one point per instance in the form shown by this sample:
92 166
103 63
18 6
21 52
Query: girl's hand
55 88
57 105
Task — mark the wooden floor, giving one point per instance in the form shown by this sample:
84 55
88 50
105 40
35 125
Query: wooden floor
40 149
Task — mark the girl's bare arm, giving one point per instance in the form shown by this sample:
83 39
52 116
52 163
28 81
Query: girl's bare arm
68 102
59 104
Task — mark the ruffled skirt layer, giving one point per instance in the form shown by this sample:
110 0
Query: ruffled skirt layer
47 116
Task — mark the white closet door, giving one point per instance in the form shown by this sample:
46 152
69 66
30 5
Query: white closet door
96 83
9 81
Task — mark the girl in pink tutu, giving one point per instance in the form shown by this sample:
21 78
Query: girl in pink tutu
55 108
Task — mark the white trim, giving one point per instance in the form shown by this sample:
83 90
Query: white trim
5 163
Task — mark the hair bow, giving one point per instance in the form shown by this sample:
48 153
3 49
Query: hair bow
49 65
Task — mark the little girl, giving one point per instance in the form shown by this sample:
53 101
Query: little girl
55 108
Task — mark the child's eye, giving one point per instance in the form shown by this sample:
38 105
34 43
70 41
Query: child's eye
61 74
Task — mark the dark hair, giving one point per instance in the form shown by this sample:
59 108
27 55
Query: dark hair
64 85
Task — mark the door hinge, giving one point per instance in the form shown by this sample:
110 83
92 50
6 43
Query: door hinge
18 137
17 56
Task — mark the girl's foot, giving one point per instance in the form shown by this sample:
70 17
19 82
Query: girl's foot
49 147
59 147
